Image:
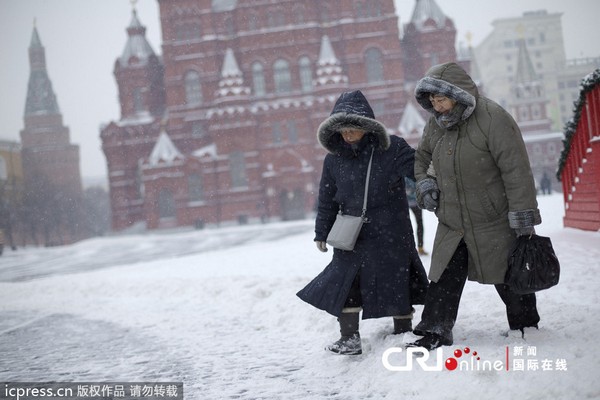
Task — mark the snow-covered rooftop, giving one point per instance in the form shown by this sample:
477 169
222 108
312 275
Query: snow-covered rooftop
164 150
137 46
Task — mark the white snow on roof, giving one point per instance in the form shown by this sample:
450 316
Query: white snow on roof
411 123
426 10
232 81
327 55
210 150
230 65
141 118
329 70
223 5
137 46
164 150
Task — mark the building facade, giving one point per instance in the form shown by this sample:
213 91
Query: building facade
11 191
222 127
497 56
569 79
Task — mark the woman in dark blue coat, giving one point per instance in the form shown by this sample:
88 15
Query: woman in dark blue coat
383 275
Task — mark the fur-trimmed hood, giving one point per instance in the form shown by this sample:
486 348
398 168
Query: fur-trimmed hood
351 110
452 81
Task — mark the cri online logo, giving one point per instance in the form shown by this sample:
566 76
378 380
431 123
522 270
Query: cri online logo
460 360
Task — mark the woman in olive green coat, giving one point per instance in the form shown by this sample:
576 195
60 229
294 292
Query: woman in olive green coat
473 171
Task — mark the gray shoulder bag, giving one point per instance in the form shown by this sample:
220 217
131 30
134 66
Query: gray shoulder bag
345 230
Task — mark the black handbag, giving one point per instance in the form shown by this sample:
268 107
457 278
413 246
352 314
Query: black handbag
532 265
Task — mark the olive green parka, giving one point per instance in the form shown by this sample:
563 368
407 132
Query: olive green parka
482 170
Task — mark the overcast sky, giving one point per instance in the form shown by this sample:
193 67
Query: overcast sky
83 38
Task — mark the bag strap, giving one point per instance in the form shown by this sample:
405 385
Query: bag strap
364 210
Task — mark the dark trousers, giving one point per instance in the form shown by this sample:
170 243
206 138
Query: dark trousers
443 298
419 218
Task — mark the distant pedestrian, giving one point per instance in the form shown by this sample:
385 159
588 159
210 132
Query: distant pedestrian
383 276
411 196
546 185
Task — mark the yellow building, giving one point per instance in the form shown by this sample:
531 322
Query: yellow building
11 192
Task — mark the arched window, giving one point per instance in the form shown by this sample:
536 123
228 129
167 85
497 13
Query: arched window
253 21
138 99
166 204
371 8
374 63
299 15
237 167
306 74
325 12
229 27
198 129
277 133
374 9
275 18
292 131
187 30
258 79
282 77
193 90
195 189
359 9
536 111
524 114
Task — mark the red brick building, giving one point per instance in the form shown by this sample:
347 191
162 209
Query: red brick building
222 127
428 40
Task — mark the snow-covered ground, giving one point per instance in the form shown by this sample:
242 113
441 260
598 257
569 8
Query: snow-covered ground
217 310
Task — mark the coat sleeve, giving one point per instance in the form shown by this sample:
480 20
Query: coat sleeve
424 153
404 158
508 149
327 207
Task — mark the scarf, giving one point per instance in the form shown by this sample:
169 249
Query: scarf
455 115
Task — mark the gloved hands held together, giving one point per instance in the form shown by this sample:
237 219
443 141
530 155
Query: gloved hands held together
428 194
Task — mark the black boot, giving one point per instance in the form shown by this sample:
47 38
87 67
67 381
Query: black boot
403 323
431 341
349 343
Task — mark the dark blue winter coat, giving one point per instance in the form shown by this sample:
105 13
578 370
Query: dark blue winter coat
392 277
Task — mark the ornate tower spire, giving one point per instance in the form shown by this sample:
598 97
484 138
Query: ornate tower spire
232 81
329 71
428 39
425 12
40 96
51 174
139 74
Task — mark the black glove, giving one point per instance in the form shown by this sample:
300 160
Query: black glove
523 221
428 194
